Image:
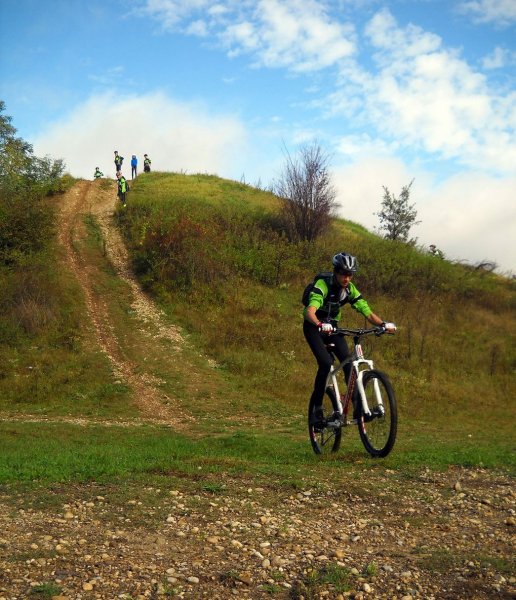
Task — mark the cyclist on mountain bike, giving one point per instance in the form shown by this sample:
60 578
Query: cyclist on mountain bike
323 312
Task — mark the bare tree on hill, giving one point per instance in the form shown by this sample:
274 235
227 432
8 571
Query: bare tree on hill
307 193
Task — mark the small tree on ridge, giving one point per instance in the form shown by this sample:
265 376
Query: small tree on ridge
397 216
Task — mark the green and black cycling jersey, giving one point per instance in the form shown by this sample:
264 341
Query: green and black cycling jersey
122 185
328 297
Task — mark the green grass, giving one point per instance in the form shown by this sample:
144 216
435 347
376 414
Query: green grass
338 577
237 301
62 452
57 368
443 561
45 590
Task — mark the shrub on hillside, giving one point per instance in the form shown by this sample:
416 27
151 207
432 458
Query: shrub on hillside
29 297
27 224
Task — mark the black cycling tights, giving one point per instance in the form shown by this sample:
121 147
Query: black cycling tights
316 341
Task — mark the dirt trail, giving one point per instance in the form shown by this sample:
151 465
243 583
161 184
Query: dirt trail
89 197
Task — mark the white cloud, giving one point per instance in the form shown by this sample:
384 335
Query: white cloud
417 93
298 34
499 58
198 28
499 12
469 217
295 34
360 190
355 147
427 98
171 13
177 136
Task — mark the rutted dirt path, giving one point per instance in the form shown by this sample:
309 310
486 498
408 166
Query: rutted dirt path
89 197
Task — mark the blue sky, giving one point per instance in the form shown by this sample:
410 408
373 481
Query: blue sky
394 91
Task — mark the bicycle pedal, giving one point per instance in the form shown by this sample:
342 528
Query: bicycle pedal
334 422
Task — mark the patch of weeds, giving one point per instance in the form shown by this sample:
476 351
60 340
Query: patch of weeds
295 484
167 590
501 565
93 228
213 487
440 560
45 590
332 574
271 588
337 576
229 577
105 184
370 570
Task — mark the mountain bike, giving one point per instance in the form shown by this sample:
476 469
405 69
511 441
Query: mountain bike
369 396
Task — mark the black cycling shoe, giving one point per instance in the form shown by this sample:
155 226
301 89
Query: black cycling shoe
375 413
335 420
317 420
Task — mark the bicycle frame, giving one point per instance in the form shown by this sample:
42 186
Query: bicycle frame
359 366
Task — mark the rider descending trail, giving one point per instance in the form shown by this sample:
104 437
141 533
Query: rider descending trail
321 315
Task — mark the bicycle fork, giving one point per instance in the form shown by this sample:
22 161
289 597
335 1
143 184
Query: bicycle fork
357 377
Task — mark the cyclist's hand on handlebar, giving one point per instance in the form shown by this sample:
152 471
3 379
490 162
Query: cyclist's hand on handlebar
389 327
326 328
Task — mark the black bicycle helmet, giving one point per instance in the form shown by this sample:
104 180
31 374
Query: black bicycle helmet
345 262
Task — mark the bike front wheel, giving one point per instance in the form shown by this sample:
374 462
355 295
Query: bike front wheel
324 437
378 431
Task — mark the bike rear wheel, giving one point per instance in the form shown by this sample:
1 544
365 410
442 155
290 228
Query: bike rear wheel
378 432
326 438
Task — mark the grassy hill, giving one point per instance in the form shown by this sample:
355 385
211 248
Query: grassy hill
211 253
210 250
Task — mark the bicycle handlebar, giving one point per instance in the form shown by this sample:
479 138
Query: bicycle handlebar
359 332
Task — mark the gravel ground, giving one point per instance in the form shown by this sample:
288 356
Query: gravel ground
436 536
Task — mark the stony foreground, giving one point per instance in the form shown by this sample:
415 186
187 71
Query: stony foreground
432 536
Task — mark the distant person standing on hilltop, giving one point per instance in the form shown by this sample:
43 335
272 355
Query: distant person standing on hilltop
123 188
118 161
134 167
434 251
146 163
98 173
